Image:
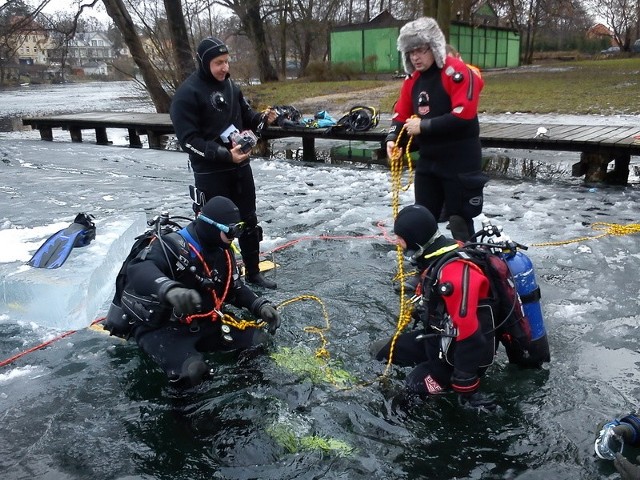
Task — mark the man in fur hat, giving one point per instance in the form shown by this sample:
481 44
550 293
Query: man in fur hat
208 112
438 106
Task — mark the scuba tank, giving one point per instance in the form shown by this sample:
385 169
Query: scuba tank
527 287
523 273
119 321
522 270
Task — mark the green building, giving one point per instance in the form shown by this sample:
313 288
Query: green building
371 47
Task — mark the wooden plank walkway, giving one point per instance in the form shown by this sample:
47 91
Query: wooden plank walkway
154 125
598 144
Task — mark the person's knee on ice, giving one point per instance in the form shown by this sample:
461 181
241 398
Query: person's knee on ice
176 289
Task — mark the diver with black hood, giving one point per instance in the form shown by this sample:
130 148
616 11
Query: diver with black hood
215 124
460 315
175 294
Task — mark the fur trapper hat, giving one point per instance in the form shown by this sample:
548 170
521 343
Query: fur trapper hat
418 33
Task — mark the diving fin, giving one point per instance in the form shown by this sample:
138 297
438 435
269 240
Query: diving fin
56 249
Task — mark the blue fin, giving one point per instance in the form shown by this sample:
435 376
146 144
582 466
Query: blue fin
56 249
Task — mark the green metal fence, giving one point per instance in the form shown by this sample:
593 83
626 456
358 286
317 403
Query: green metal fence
373 50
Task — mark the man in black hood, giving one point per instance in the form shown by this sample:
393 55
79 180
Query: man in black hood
456 345
214 124
176 291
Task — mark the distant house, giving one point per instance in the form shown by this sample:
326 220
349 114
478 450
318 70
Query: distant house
96 68
90 47
601 31
28 44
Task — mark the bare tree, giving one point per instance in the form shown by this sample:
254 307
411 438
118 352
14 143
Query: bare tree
123 21
311 24
179 38
252 22
621 16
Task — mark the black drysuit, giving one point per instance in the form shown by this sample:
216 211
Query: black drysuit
201 110
175 342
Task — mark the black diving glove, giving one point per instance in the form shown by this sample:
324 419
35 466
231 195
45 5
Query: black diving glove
269 314
184 300
626 469
477 401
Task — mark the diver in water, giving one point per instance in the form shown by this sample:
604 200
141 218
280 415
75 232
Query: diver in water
464 311
175 291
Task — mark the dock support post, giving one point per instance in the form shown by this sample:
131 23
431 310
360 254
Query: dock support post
593 165
101 136
134 138
308 149
76 134
154 140
46 134
620 173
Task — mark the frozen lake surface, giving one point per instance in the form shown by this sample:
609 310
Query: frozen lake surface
93 406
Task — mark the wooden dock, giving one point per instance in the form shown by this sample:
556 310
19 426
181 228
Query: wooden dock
598 145
153 125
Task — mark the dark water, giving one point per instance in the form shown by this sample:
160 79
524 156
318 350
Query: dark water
93 407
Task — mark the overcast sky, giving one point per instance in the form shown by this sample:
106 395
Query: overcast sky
55 6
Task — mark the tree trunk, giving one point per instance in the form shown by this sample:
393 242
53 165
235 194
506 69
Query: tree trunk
120 16
179 38
283 39
444 17
255 29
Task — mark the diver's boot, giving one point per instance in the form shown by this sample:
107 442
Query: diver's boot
461 229
258 279
250 250
253 274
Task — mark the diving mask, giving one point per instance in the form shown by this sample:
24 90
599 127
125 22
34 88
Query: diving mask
232 230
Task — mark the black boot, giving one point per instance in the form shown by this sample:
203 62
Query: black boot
250 250
258 279
461 228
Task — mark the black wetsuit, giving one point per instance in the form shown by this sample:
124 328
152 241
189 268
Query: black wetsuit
175 344
201 110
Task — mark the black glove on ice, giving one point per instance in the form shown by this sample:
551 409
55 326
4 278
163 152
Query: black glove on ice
269 314
477 401
184 300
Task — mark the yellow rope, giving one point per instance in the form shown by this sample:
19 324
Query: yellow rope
241 324
609 229
396 164
322 351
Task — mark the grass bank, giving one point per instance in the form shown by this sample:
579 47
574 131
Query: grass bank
605 87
